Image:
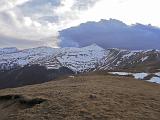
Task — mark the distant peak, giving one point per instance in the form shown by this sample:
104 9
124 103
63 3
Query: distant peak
8 50
94 46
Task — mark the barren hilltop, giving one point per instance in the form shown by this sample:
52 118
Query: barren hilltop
85 97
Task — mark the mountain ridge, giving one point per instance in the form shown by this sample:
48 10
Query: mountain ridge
43 64
89 58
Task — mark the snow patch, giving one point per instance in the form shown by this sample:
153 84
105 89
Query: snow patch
140 75
120 73
145 58
154 80
128 55
158 74
136 75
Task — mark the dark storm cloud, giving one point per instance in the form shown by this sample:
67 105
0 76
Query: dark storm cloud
112 34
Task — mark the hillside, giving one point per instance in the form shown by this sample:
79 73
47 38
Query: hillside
30 75
43 64
79 60
86 97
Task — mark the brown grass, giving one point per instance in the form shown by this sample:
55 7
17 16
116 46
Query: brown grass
88 97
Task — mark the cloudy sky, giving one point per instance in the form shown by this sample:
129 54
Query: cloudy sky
31 23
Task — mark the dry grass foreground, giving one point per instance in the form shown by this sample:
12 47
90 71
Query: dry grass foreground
89 97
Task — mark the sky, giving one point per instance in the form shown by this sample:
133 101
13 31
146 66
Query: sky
31 23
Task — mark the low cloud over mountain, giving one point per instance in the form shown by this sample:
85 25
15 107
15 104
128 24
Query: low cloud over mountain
112 33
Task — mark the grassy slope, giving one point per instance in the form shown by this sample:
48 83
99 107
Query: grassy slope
90 97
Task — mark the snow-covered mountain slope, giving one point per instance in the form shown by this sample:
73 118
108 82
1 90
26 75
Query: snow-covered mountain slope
124 59
77 59
24 57
88 58
8 50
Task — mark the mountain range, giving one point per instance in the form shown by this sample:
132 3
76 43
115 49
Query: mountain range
38 65
89 58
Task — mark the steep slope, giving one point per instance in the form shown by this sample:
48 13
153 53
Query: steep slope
76 59
29 75
38 65
90 97
84 59
137 60
23 57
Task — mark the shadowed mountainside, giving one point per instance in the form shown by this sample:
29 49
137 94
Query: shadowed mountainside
30 75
